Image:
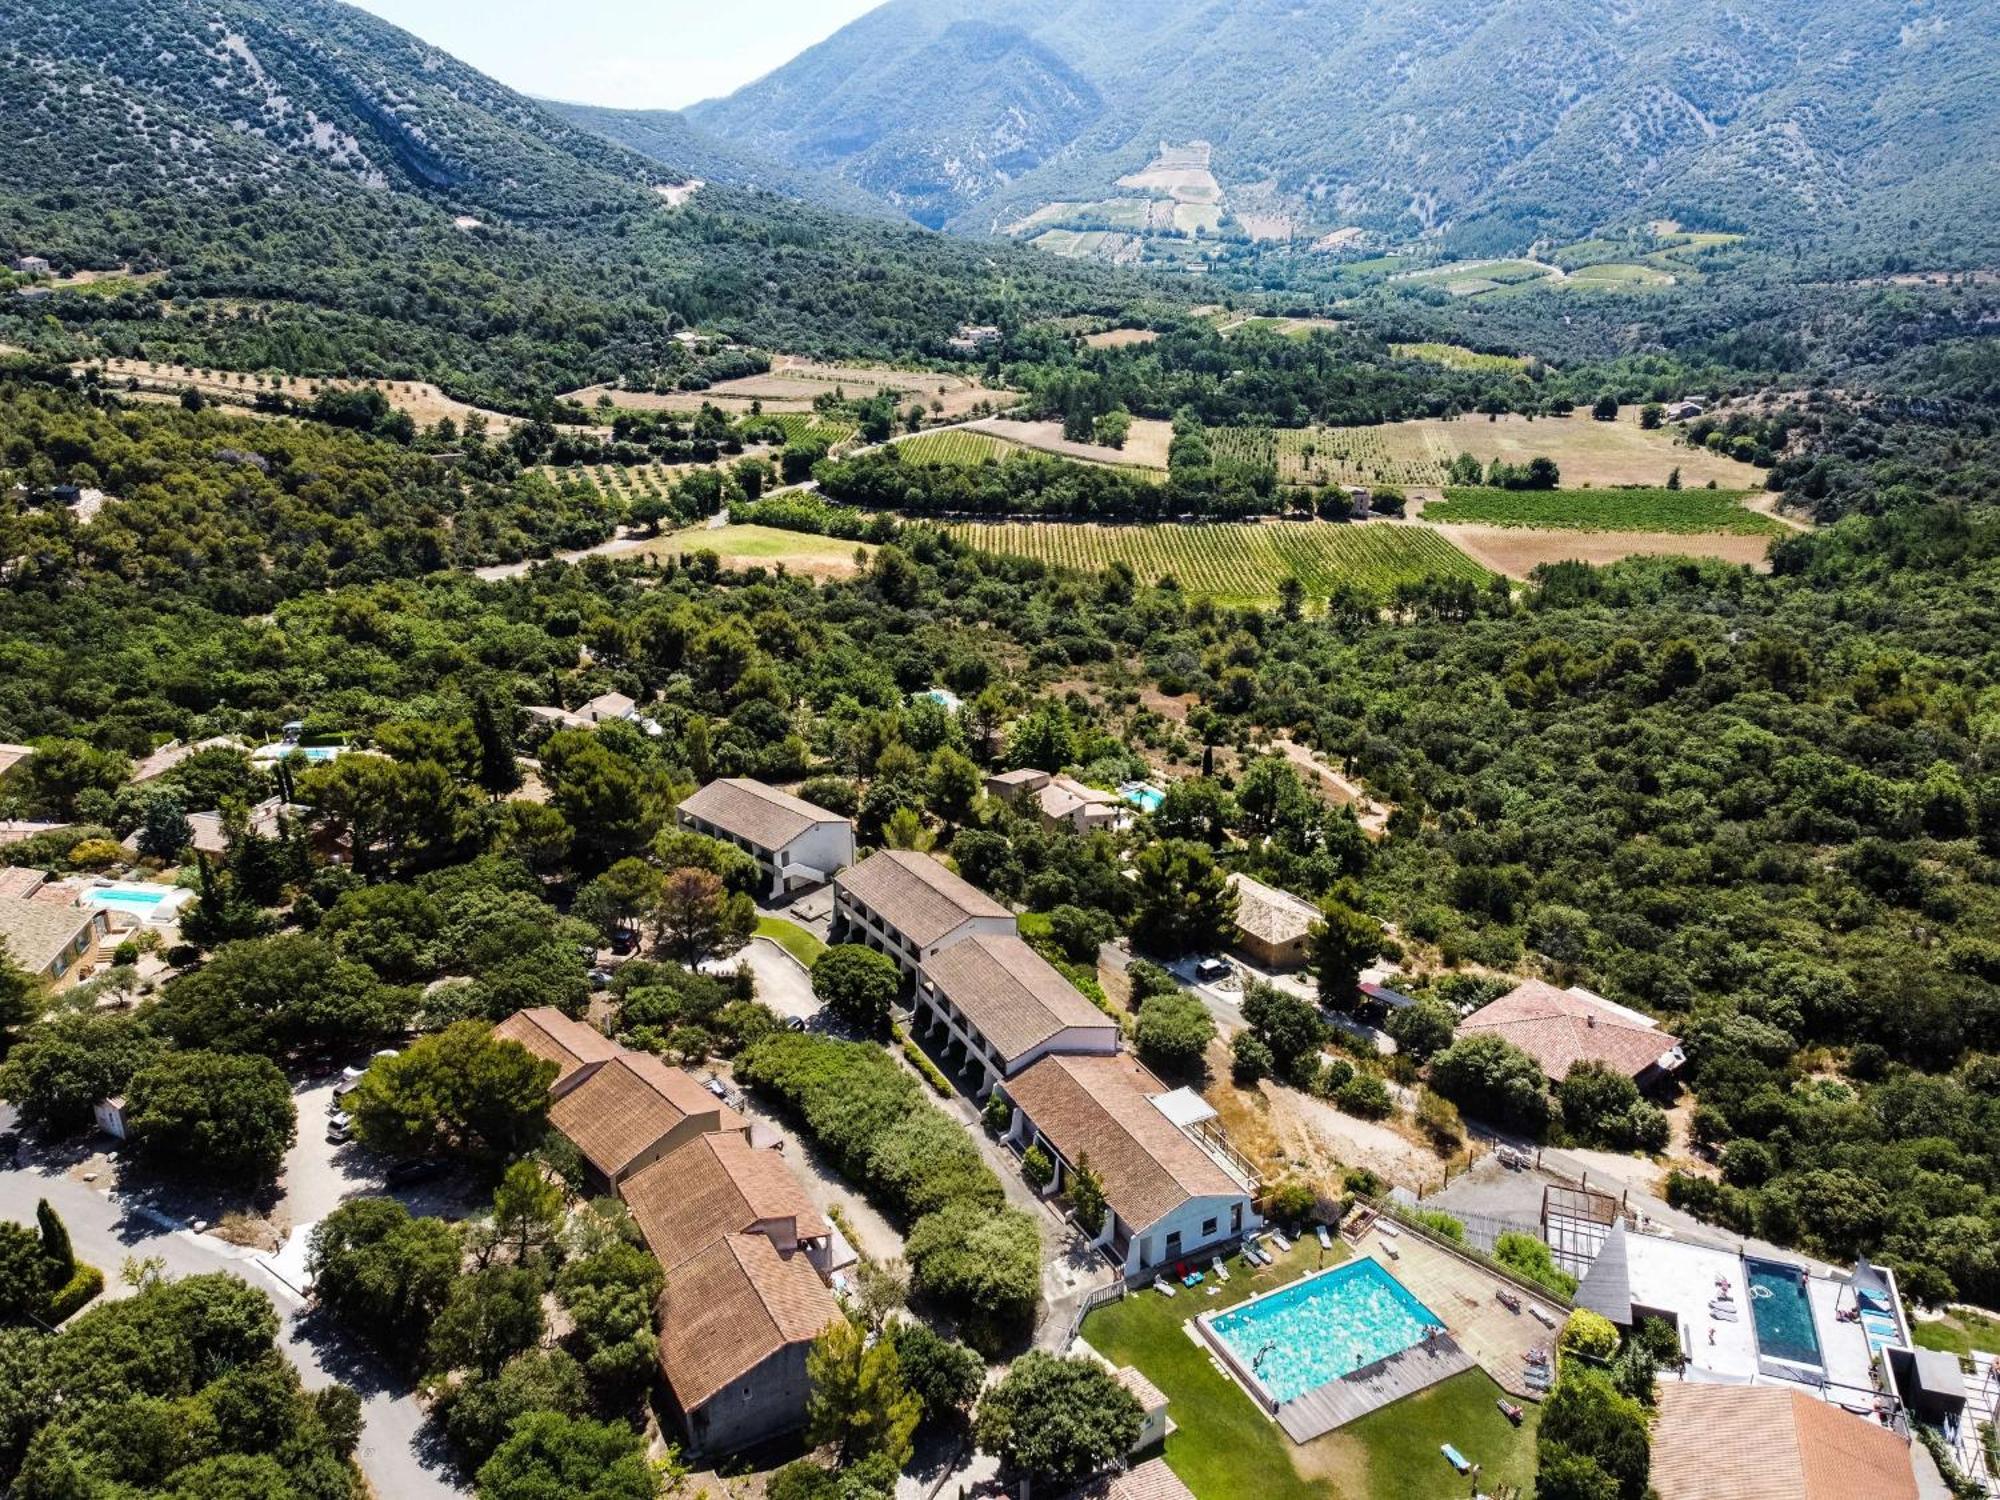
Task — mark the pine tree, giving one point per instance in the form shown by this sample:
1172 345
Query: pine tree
498 774
56 1248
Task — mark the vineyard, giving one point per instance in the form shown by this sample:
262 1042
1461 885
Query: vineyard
804 424
626 482
1393 454
1240 563
1681 512
953 446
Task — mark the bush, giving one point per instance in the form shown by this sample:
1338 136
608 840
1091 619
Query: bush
1590 1334
984 1266
1291 1201
1532 1259
1249 1059
1037 1168
920 1060
999 1113
1493 1079
1439 1119
1441 1224
1365 1096
84 1285
1173 1033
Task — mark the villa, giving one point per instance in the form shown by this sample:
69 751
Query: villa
53 941
1273 927
1174 1189
794 842
605 708
1714 1442
910 907
1561 1028
572 1046
1001 1006
1061 800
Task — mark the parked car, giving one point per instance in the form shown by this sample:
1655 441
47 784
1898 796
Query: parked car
623 942
1208 970
414 1169
339 1129
600 979
795 1023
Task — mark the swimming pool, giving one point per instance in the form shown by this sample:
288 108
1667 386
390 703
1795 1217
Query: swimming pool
1782 1311
143 903
1142 795
1298 1338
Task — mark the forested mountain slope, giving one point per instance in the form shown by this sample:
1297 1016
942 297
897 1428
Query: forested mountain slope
329 195
1514 117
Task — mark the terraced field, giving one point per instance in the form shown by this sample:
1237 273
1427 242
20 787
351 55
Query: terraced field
1240 563
1676 512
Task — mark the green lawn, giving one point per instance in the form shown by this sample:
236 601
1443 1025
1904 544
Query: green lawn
1225 1448
1959 1333
793 938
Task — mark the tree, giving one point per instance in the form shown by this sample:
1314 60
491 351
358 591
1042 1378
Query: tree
56 1249
20 995
24 1274
492 727
1249 1059
67 1063
1422 1030
1056 1421
943 1374
479 1412
1604 408
1086 1196
953 787
857 984
460 1090
984 1265
1185 903
212 1114
1290 1027
1173 1032
383 1273
698 917
1651 415
272 995
549 1455
1197 808
1490 1077
527 1208
617 900
1080 933
487 1318
1339 946
164 830
609 1294
1586 1416
859 1403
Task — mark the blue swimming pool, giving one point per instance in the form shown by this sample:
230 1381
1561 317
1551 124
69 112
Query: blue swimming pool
1781 1308
1300 1337
141 902
1142 795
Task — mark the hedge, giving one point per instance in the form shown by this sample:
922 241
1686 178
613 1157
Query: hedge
85 1285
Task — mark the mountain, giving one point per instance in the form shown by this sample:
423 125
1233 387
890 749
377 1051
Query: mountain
1500 120
668 137
307 188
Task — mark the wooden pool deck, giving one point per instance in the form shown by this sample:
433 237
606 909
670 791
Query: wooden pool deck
1341 1401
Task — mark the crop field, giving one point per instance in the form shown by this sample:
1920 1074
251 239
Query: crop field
1471 278
1239 562
953 446
627 482
1417 454
1620 274
1678 512
1457 357
798 424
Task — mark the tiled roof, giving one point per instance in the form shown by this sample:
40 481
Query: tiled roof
714 1186
1025 776
915 894
12 755
37 932
1062 797
1732 1442
731 1308
1013 996
607 706
1269 914
174 752
1102 1107
554 1037
1151 1480
18 882
763 815
1148 1395
1560 1028
624 1108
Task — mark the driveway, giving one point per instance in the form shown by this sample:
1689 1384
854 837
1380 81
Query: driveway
782 982
401 1455
320 1175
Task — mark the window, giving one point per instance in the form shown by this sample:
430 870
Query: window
1208 1229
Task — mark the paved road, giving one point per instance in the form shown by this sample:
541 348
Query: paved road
402 1458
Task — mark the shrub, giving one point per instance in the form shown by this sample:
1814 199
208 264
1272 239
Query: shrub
920 1060
1439 1119
985 1266
1441 1223
1590 1334
1529 1256
999 1113
1365 1096
1249 1059
84 1285
1291 1201
1037 1168
1173 1032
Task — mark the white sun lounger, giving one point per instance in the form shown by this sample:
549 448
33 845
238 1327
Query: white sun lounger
1221 1271
1383 1226
1166 1288
1325 1240
1540 1317
1278 1239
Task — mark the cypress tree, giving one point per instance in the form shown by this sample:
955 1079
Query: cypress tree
55 1244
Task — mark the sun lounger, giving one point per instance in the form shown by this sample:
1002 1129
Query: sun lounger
1389 1229
1221 1271
1325 1240
1510 1411
1166 1288
1509 1301
1458 1460
1278 1239
1540 1316
1392 1252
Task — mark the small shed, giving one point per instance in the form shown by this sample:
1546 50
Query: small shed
110 1115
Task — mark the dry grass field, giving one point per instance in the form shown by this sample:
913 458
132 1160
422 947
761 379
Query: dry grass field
1145 447
1517 551
747 546
425 403
1120 338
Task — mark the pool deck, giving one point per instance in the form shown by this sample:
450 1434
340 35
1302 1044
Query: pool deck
1462 1293
1338 1402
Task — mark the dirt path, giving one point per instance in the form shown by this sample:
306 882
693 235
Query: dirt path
1145 448
1765 503
1373 816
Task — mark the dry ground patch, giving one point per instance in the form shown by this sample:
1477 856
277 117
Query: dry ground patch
1120 338
425 403
1145 446
1517 551
746 546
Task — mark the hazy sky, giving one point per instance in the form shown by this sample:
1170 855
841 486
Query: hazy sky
636 54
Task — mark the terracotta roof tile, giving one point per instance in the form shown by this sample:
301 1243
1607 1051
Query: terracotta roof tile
554 1037
1103 1107
763 815
1014 997
36 932
915 894
1731 1442
1559 1029
624 1108
713 1187
1269 914
1151 1480
732 1307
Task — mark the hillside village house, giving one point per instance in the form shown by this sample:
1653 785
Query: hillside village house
745 1254
1059 799
31 265
910 907
1173 1188
54 941
794 842
1272 926
1561 1028
1001 1006
603 709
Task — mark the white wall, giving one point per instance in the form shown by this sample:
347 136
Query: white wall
1150 1249
825 847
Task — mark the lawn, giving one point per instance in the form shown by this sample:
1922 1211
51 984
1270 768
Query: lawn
793 938
1959 1333
1683 512
1225 1448
1240 561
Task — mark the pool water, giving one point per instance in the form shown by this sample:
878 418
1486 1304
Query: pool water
140 901
1782 1311
1300 1337
1142 796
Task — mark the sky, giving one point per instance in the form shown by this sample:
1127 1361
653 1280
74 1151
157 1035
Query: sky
633 54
